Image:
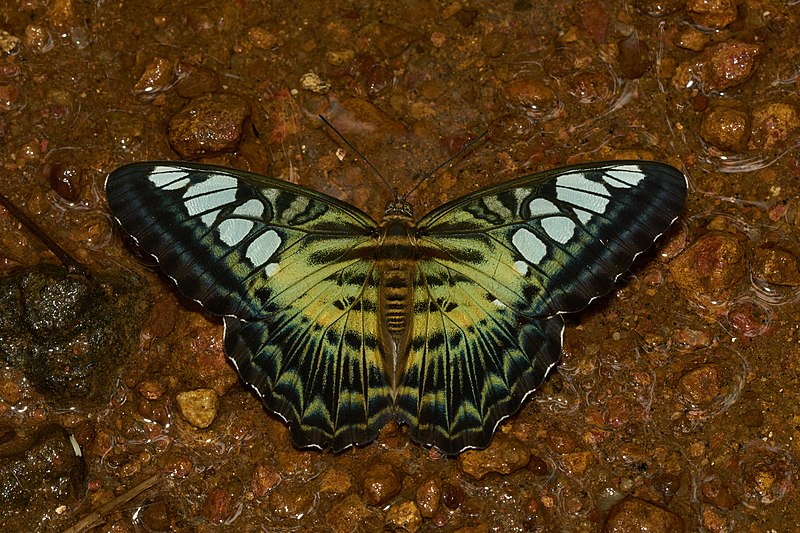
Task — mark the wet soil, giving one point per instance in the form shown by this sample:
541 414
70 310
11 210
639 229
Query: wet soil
675 406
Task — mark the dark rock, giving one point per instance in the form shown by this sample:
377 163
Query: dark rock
40 471
67 334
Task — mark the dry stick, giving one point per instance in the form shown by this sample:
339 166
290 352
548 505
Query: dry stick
72 264
96 517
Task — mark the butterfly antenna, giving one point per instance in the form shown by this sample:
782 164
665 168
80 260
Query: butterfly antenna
73 265
449 160
359 154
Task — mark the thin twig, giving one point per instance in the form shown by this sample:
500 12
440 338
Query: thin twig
73 265
97 517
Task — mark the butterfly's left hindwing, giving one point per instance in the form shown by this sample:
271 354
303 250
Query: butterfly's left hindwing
286 266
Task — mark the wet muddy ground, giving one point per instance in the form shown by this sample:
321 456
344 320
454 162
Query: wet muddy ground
675 407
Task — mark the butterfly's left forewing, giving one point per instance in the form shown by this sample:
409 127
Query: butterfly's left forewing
286 266
496 269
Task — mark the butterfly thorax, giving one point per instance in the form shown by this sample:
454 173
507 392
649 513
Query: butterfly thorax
395 264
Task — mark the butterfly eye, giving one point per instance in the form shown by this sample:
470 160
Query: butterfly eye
399 208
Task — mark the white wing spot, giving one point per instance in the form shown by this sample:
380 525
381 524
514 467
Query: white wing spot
498 304
168 178
626 176
560 229
271 269
261 249
521 267
233 230
251 208
212 193
209 218
590 198
529 246
542 207
583 216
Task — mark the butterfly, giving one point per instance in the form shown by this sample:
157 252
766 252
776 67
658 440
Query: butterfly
341 323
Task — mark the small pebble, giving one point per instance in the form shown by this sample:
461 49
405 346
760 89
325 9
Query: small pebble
150 389
264 479
403 516
218 506
718 491
766 476
529 93
634 57
65 179
348 515
394 40
335 482
429 494
156 516
633 515
158 76
381 484
773 124
711 269
726 127
291 500
9 97
9 44
749 318
208 125
504 456
340 57
311 81
38 38
198 407
719 67
452 495
576 463
776 265
712 13
701 385
194 81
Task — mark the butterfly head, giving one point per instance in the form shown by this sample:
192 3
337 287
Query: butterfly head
399 208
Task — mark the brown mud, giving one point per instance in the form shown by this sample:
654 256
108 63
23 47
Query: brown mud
675 406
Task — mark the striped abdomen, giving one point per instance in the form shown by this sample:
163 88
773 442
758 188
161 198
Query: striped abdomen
395 268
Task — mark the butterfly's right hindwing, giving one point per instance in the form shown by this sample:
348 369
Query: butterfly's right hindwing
288 268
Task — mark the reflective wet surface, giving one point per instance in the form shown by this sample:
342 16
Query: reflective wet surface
675 405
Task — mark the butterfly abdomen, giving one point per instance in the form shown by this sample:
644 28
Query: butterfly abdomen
395 271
